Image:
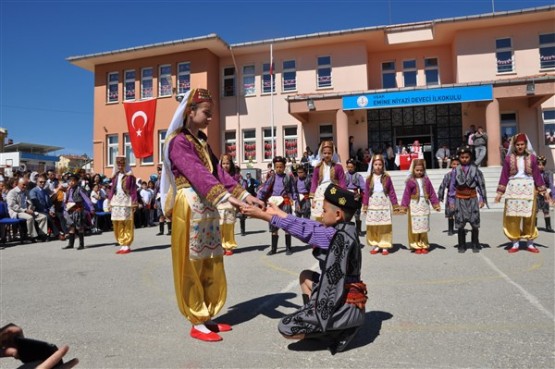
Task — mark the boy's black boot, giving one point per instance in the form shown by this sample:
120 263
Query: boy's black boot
306 299
275 239
71 242
161 225
548 225
450 227
169 228
359 227
81 241
462 241
288 244
242 224
475 242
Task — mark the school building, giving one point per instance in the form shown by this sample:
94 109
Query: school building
427 81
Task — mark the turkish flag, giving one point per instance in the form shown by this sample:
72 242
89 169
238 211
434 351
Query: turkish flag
140 123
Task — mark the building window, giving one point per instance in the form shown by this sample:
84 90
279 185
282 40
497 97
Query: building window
183 77
112 149
504 55
289 76
148 160
326 132
229 81
267 138
409 73
388 75
268 83
249 88
249 145
230 142
113 79
324 71
547 51
431 71
549 126
290 142
161 145
165 80
128 150
146 83
508 126
129 87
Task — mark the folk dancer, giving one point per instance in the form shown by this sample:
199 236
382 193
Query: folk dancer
450 200
302 184
76 201
227 211
354 182
542 204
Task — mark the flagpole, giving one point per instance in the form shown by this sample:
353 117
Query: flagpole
272 95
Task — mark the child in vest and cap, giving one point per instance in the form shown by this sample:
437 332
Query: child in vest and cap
450 200
338 285
543 204
279 189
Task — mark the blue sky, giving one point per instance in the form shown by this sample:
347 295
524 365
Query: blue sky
46 100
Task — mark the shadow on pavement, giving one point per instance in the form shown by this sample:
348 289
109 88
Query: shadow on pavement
264 305
522 245
95 245
251 232
150 248
240 249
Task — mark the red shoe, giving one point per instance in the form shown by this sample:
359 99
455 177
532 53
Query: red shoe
512 250
533 249
123 251
375 250
207 337
424 251
218 327
385 252
418 251
228 252
119 251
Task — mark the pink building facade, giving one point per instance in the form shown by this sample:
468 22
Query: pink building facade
426 81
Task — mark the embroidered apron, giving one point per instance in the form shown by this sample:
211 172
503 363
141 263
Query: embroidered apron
121 206
420 215
319 200
520 197
227 213
379 210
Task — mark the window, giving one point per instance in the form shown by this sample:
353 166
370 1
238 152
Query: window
161 145
113 79
326 133
409 73
128 149
431 71
508 127
146 83
388 75
230 143
547 51
324 71
268 139
183 77
229 81
249 145
112 147
290 142
148 160
289 76
249 88
165 80
129 87
268 82
504 55
549 126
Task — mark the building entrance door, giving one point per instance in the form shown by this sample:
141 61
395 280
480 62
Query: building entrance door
414 142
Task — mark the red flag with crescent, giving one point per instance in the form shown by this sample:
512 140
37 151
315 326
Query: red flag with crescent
140 123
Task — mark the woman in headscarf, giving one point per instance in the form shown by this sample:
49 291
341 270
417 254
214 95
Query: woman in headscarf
193 184
520 181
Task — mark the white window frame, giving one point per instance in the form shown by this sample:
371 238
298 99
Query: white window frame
249 80
325 136
551 122
112 149
267 140
251 141
112 90
548 58
149 160
183 81
271 81
411 70
165 74
144 90
392 72
501 64
230 144
129 95
288 141
161 145
432 68
226 78
321 67
128 150
287 70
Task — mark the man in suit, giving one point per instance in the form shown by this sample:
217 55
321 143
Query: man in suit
19 209
443 156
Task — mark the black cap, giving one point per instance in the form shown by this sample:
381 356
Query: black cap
464 150
341 197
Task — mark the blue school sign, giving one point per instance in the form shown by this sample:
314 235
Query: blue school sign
433 96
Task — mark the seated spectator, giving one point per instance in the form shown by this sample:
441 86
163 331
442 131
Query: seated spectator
41 201
443 156
19 208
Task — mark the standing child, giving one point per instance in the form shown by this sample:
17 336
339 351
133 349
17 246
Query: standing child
355 183
468 187
379 196
450 201
326 171
75 202
280 190
302 183
333 300
146 197
419 193
543 205
227 211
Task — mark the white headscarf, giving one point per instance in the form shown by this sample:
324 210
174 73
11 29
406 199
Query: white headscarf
168 179
335 157
127 169
529 147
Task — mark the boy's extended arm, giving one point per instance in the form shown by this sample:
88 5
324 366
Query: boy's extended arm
309 231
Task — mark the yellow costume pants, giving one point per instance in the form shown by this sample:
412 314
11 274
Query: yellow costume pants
379 235
417 240
228 236
124 231
200 284
512 229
